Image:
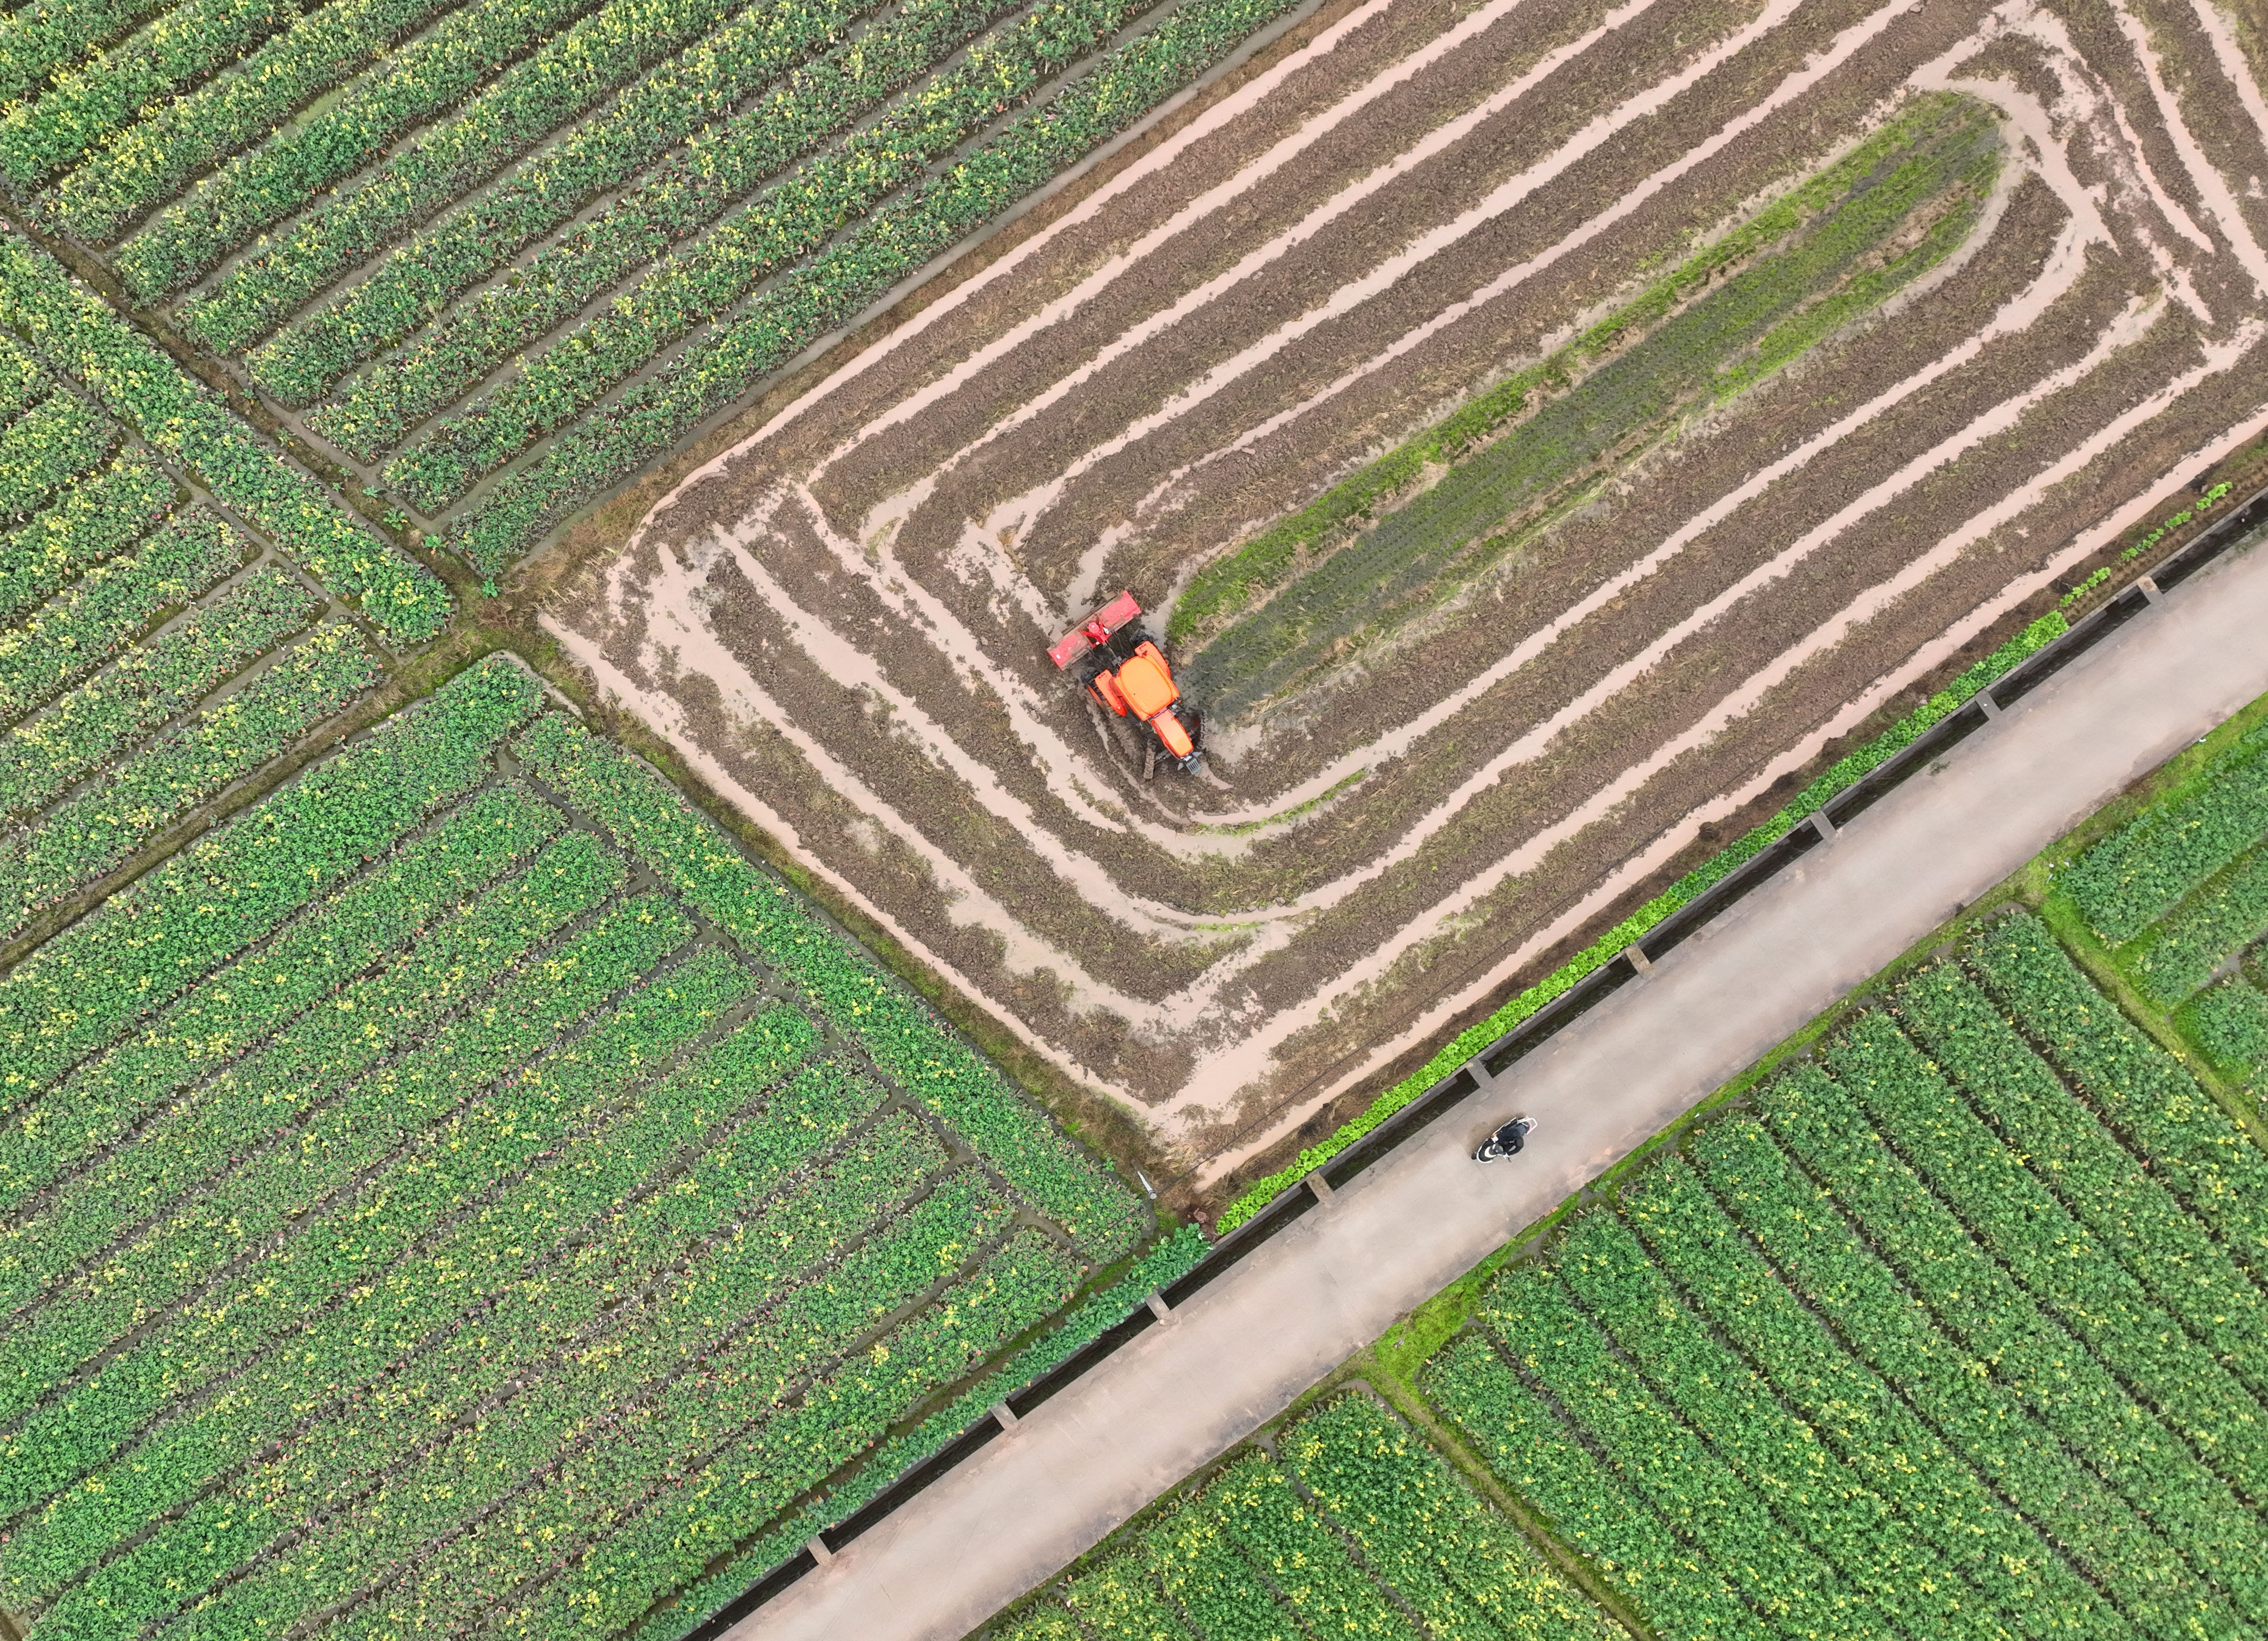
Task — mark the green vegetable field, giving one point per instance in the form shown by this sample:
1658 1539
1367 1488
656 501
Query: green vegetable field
461 1189
613 219
1953 1325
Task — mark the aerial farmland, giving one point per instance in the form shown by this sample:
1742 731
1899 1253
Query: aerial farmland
722 725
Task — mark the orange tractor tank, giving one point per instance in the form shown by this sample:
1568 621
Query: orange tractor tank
1126 673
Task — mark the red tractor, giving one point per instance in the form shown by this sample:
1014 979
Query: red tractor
1124 671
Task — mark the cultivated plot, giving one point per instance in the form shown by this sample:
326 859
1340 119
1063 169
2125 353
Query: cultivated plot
462 1194
1954 1323
1538 428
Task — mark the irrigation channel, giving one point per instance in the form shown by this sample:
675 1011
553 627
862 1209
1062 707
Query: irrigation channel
1329 1271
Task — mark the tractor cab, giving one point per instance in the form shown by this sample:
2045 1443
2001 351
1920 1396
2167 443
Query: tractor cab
1124 672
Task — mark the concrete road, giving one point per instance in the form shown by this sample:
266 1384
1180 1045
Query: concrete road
1246 1345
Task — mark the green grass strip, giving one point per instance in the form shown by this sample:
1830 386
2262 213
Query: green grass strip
152 942
62 641
1844 773
135 380
86 836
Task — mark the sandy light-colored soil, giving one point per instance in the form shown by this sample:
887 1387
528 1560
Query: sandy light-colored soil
841 621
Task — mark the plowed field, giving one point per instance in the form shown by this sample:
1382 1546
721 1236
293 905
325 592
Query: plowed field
1538 427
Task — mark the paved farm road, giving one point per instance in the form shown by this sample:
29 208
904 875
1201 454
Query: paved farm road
1250 1342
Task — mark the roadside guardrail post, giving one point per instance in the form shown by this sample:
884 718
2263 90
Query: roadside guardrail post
1159 1308
1640 963
1820 824
1985 700
820 1553
1321 1186
1006 1416
2150 589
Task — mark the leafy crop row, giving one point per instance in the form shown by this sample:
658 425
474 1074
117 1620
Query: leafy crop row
2040 1366
249 1000
1822 1500
2147 1095
1171 1258
2142 1227
714 1311
42 757
45 35
151 159
2141 871
1901 1455
478 1308
749 1479
2230 1023
1522 1442
147 945
76 329
184 241
613 441
96 518
1662 1460
906 1040
2047 1260
693 286
87 104
64 640
86 837
1464 1568
2180 954
1838 776
674 201
1982 1417
59 440
694 92
568 74
281 1109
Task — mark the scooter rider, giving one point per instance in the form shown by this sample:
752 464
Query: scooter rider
1506 1141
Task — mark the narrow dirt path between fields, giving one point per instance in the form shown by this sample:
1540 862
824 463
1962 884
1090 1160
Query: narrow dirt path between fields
1238 1353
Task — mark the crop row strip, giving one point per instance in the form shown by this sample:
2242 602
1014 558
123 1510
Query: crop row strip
748 1482
264 1166
1720 1274
1985 1418
2144 869
1824 1500
2170 1255
86 988
1661 1458
50 446
906 1042
135 380
77 843
1523 1442
690 100
225 1123
43 36
101 516
151 159
2181 954
470 1185
72 635
613 440
48 754
679 200
900 1253
565 76
693 286
807 1315
433 1307
243 1004
2187 1140
470 46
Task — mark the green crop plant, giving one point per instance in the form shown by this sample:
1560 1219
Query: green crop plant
2230 1023
1799 269
101 515
2144 869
